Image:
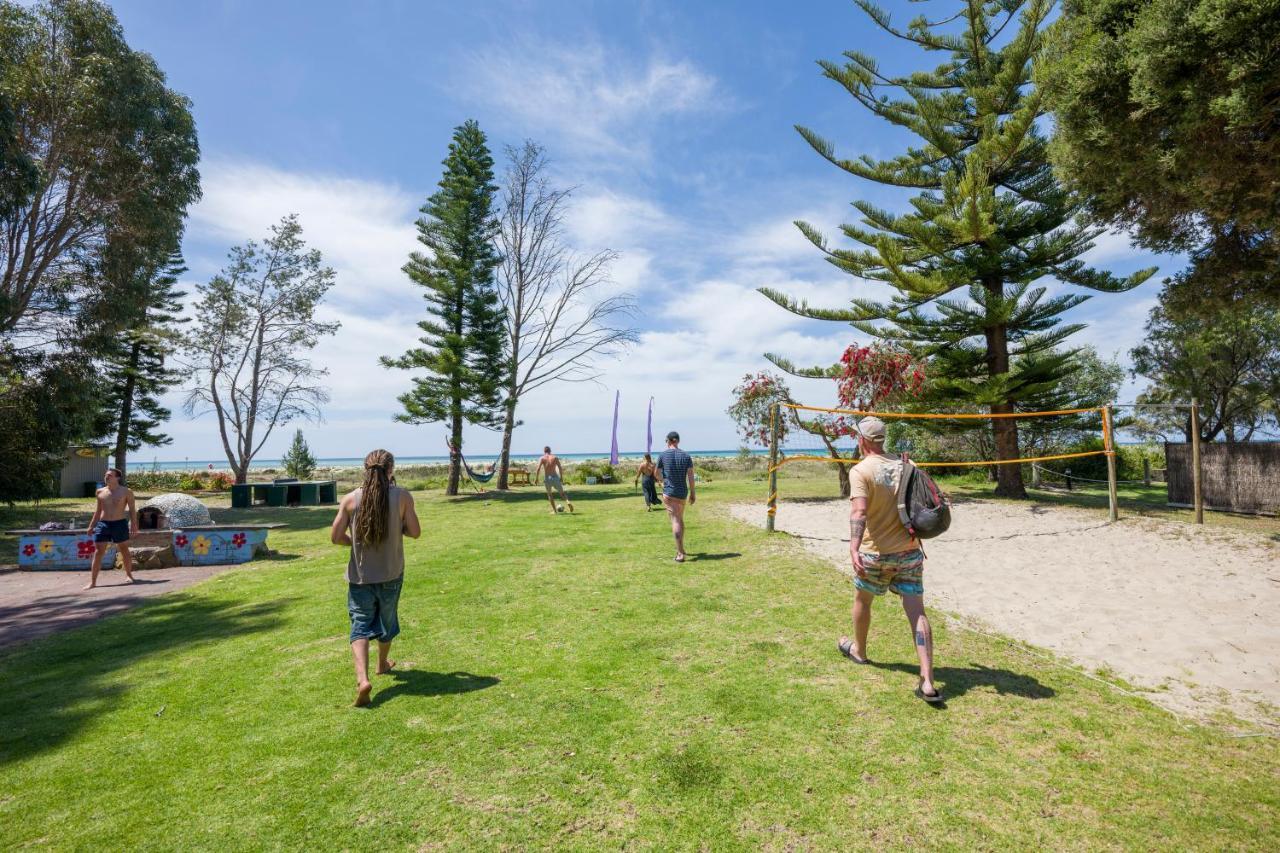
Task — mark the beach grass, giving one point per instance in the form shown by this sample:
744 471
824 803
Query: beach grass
563 683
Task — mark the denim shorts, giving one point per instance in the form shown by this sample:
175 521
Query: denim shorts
373 609
111 531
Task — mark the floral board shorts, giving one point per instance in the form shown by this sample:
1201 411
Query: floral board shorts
902 572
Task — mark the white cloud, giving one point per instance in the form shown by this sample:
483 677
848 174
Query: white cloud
590 96
607 219
364 229
1111 246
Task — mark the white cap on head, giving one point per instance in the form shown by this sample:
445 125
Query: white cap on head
872 429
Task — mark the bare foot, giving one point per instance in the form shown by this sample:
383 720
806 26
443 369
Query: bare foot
89 586
570 506
128 578
384 669
362 694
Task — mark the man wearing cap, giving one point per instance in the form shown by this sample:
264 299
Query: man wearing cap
885 555
676 468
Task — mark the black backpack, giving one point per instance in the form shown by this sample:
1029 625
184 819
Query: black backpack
922 507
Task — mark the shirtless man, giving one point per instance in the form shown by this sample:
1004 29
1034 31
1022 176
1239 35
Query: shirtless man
554 478
113 522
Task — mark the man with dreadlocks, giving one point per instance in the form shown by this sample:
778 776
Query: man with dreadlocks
373 520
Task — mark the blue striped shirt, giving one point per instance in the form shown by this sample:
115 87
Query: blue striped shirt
674 464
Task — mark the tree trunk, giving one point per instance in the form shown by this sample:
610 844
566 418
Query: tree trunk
242 472
1008 477
455 452
1003 430
842 471
508 426
126 406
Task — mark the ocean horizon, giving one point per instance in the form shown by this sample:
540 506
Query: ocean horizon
402 461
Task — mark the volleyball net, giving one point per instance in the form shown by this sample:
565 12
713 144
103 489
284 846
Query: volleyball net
800 433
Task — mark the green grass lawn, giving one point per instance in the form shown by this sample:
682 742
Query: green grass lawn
566 684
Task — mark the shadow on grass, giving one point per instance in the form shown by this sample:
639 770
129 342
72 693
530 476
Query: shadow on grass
959 680
729 555
56 687
412 682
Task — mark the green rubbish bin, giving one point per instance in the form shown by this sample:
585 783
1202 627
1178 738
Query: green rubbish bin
328 491
241 496
277 495
90 489
308 494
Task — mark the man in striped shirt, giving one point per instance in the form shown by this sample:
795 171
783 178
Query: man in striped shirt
676 468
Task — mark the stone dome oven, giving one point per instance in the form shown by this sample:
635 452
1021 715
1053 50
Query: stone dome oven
172 511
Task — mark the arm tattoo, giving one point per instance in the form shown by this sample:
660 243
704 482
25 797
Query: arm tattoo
856 528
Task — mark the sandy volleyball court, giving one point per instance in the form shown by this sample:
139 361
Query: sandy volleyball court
1189 615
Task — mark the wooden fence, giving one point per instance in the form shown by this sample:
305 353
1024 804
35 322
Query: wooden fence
1240 477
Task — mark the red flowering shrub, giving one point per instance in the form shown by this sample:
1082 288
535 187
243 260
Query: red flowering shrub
752 401
876 376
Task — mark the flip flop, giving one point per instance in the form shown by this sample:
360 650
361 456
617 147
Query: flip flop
932 700
846 649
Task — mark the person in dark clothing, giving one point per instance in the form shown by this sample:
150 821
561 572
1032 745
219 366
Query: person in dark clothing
676 469
646 475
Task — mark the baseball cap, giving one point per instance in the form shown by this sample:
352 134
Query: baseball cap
871 428
673 436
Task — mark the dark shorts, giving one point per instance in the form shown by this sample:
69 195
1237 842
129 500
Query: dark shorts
373 608
111 531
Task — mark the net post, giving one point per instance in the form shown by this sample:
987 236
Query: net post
1109 444
773 467
1198 495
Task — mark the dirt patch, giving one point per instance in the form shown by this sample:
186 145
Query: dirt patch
1190 616
36 604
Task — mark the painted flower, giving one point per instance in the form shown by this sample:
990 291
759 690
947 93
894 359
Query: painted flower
85 548
28 550
46 546
238 540
201 545
180 540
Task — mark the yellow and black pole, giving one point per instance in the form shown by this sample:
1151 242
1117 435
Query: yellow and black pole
773 466
1109 444
1197 499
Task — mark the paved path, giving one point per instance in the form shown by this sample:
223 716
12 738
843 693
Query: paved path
36 604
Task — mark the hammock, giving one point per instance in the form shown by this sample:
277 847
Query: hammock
471 472
476 475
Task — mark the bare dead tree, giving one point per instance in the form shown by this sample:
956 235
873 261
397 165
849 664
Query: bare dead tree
559 321
257 319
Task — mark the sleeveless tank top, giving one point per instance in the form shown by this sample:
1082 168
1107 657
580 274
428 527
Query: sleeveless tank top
386 562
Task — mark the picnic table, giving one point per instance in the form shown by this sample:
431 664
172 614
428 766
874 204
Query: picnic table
287 493
517 477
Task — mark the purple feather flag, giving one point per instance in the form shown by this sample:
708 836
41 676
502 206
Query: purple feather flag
613 453
648 430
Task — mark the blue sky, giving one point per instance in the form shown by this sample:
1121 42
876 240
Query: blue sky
673 120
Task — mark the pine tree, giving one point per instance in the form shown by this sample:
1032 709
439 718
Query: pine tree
463 345
134 361
298 461
988 221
